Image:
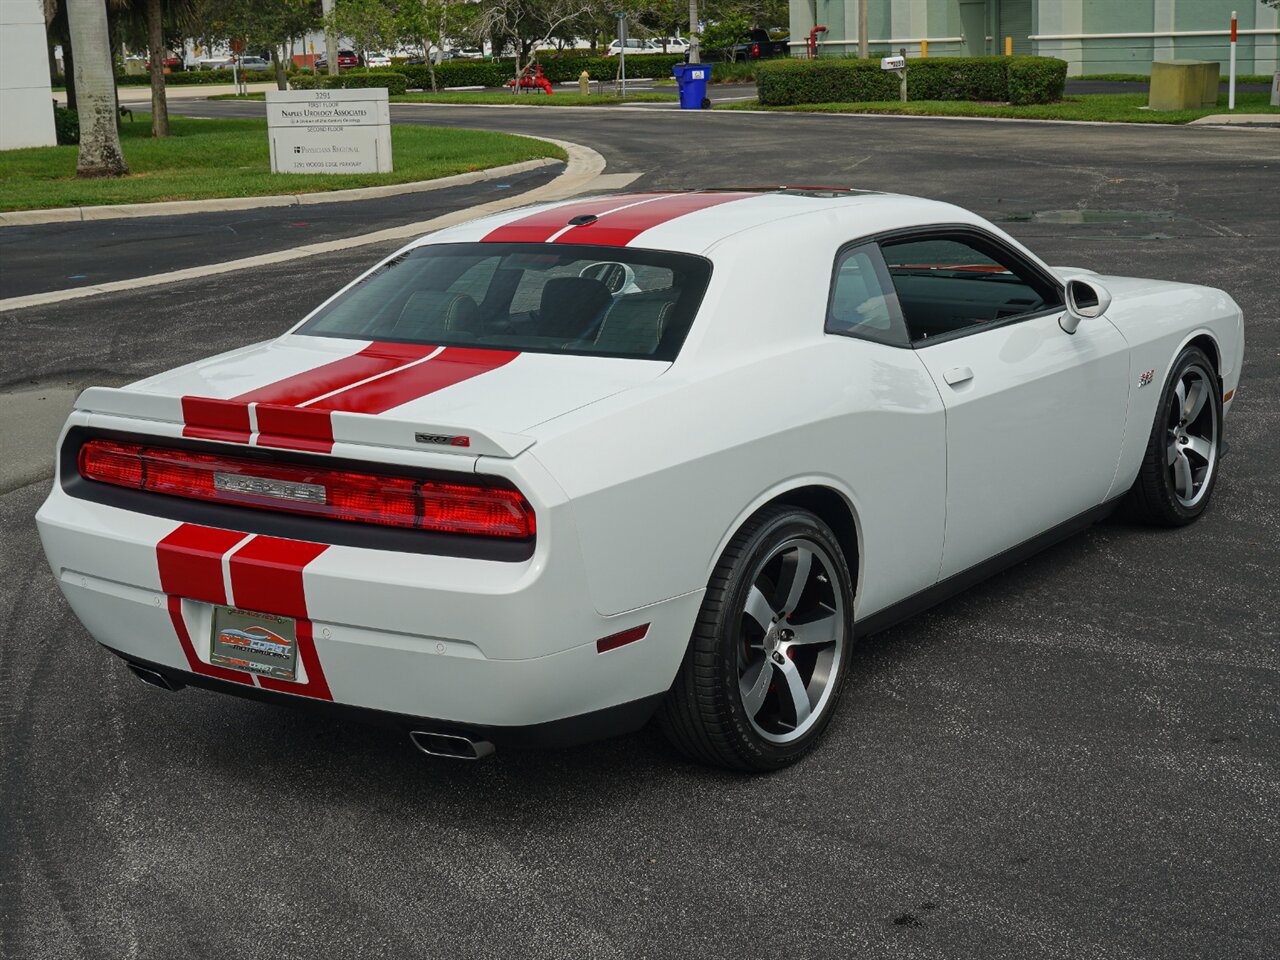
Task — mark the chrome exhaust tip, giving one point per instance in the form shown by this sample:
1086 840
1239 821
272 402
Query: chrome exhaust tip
451 745
155 678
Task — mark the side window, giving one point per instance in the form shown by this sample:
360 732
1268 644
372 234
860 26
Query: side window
946 284
863 303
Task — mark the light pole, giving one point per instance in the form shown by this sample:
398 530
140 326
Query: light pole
862 29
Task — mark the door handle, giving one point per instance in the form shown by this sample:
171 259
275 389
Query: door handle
958 375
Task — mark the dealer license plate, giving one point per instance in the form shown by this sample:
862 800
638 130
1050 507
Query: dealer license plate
260 643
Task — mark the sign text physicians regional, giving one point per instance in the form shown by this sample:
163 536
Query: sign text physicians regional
329 131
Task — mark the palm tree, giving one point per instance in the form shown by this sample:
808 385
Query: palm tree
100 153
156 49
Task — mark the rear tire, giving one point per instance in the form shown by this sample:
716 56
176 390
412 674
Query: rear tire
767 660
1180 465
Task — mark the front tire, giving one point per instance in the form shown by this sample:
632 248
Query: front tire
766 663
1180 466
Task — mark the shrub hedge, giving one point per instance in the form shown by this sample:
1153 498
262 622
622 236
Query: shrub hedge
394 80
66 124
1036 79
782 83
495 73
181 78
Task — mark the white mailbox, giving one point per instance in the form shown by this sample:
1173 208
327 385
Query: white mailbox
329 131
893 63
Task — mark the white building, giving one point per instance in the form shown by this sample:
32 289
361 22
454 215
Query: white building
26 97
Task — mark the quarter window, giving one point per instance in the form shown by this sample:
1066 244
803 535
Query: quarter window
863 303
948 284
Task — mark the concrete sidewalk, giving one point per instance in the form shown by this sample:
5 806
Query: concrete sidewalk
131 95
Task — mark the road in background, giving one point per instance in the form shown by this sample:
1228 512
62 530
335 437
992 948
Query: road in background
1078 758
61 256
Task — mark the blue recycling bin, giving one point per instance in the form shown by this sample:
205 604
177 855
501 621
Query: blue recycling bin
691 80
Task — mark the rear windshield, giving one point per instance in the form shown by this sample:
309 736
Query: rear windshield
537 297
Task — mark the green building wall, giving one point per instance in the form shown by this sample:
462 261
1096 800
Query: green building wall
1082 32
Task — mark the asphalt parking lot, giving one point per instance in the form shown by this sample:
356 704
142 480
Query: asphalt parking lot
1078 759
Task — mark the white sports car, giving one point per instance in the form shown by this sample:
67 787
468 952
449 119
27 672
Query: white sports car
542 476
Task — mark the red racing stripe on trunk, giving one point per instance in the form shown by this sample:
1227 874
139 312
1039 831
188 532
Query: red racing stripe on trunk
372 360
619 229
294 428
266 576
539 227
452 366
190 562
208 419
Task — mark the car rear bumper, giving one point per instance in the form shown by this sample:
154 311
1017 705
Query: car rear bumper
464 642
565 732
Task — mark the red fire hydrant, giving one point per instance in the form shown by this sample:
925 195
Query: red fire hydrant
532 77
813 41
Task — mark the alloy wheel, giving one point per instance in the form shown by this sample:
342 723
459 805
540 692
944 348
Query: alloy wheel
1191 448
792 639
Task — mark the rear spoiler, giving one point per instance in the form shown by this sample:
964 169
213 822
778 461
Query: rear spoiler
226 419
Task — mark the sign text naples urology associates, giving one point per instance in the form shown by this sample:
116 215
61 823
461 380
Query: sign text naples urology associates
329 131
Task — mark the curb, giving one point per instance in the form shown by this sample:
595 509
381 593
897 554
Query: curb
168 208
1237 120
584 169
1272 120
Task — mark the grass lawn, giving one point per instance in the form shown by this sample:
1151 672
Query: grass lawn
1112 107
230 158
524 100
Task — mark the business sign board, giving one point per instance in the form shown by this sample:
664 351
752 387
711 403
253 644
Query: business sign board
329 131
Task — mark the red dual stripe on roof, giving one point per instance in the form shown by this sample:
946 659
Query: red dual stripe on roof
266 576
294 413
620 228
621 218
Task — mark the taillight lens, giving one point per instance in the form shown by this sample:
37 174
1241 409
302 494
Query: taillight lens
314 491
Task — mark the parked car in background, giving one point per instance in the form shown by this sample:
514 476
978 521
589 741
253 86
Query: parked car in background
376 60
245 63
633 46
346 60
672 44
760 46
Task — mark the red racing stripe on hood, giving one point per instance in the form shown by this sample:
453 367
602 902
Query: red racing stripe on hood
266 575
620 228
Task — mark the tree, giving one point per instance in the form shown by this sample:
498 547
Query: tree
258 24
100 153
155 64
526 25
369 24
427 24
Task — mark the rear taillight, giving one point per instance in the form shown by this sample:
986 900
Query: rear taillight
755 51
314 491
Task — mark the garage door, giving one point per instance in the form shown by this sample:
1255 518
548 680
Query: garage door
1015 21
